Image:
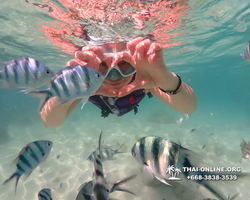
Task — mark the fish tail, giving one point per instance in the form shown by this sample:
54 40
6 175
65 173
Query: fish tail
215 190
116 186
233 197
44 95
1 76
15 174
117 150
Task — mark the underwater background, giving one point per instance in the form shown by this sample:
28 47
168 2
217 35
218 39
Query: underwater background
203 41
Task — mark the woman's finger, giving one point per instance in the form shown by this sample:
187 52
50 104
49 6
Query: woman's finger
76 62
97 50
122 56
132 44
90 58
154 47
142 49
128 89
106 92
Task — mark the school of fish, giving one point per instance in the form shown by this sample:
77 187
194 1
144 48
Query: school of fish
74 82
153 153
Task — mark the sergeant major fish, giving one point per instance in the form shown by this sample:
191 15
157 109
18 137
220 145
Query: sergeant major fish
100 189
72 82
246 53
105 153
86 189
25 73
157 155
29 158
45 194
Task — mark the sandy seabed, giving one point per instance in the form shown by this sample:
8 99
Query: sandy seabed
67 167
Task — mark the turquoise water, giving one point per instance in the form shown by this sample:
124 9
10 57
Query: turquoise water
204 49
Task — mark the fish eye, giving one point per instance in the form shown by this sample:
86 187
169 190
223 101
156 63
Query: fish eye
98 75
47 71
48 144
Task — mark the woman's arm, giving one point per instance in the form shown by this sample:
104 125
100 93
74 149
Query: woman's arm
53 114
184 101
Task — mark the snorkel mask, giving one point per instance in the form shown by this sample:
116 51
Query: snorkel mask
122 70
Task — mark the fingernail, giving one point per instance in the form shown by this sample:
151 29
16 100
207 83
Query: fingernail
84 48
99 60
149 52
105 57
138 56
68 63
76 54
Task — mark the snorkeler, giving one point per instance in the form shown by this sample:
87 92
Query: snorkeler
131 71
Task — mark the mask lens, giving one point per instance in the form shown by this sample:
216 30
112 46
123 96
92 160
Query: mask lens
103 68
123 66
126 68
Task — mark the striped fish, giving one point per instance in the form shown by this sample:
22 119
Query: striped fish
105 153
233 197
25 73
45 194
157 155
246 54
86 191
72 82
29 158
100 189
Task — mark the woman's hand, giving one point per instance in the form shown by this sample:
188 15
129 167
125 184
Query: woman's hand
92 57
151 71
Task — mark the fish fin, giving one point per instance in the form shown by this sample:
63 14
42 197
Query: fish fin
125 190
43 94
27 91
233 197
43 102
15 174
194 158
213 189
162 180
80 187
178 141
148 177
27 174
116 186
117 150
84 101
21 152
242 55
